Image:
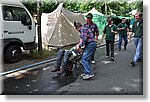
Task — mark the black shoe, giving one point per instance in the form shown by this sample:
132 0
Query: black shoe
62 71
132 63
125 48
139 60
55 69
112 58
119 49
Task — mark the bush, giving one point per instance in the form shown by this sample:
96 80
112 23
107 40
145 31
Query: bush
34 54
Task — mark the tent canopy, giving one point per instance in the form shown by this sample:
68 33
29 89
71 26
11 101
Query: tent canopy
94 11
57 27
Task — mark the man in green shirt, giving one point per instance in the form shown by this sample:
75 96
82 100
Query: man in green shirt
110 30
137 30
122 30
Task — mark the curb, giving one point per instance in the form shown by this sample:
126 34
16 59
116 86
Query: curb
39 63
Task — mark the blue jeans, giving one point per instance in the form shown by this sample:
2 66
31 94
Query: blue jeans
125 38
138 44
87 56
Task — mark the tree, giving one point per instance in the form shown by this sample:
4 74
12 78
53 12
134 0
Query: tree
31 5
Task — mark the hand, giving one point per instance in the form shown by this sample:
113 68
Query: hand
123 28
96 40
82 47
112 31
78 48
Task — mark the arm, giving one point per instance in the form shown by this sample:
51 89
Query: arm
120 27
133 29
104 33
83 38
114 29
97 33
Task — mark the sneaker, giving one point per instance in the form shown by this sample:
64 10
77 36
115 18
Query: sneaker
112 58
93 62
90 76
82 75
119 49
55 69
132 63
85 77
107 57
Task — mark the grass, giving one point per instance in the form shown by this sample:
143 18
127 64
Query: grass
45 54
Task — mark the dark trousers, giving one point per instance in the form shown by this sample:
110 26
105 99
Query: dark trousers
125 38
64 56
110 46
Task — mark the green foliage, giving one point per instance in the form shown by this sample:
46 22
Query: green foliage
139 5
31 5
113 7
72 6
40 55
120 8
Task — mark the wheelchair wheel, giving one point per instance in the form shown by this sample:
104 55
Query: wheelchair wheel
69 66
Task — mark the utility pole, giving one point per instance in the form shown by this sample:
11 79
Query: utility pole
39 25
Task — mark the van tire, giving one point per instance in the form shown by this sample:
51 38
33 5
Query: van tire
13 54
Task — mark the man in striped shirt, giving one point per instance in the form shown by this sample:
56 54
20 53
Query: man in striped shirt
88 44
93 27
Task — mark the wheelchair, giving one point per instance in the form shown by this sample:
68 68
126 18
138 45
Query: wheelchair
73 62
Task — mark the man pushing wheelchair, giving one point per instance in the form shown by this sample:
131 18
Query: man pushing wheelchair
85 47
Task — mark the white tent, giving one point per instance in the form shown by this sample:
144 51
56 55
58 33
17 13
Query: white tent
57 27
94 11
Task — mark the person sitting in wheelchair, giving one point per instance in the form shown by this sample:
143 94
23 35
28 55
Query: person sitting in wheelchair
65 60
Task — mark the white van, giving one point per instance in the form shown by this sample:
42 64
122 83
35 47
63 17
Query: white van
17 30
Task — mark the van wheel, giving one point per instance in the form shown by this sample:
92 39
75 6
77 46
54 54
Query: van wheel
13 54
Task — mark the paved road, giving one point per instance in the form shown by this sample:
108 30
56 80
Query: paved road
116 77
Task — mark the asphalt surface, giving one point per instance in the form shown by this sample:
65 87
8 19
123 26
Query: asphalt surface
117 77
39 81
111 77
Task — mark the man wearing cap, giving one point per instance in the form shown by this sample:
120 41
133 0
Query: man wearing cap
88 44
122 30
110 30
93 27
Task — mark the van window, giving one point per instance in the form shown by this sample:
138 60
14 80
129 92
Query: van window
15 14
